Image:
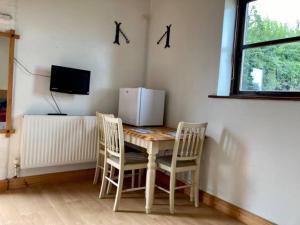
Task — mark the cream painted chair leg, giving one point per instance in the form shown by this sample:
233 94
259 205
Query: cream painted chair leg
104 181
100 162
141 173
172 192
119 190
192 192
151 173
196 187
112 174
132 178
97 172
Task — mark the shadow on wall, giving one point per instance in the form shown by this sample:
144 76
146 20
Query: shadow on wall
41 83
105 97
223 167
41 87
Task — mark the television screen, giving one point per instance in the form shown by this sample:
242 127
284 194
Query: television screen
69 80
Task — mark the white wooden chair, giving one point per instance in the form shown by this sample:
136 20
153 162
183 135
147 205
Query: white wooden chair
100 155
101 148
116 157
186 157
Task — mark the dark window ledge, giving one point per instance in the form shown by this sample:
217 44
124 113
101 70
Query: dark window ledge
280 98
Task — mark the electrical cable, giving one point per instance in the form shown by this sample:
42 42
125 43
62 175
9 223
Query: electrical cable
36 74
55 102
27 71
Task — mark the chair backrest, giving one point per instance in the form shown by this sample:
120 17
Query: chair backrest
114 137
189 141
100 126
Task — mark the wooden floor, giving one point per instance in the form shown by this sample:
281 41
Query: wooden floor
78 204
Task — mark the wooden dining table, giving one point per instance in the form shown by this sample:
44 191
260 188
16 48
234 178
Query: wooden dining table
154 140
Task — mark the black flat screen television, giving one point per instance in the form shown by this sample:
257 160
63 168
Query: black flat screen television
70 80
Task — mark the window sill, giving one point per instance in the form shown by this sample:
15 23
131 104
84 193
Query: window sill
278 98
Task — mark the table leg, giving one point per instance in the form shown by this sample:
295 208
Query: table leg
151 170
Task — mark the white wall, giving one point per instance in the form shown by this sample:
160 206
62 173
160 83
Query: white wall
76 34
4 56
252 156
79 34
8 7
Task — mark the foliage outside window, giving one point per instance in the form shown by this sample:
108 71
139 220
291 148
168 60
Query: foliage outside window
267 55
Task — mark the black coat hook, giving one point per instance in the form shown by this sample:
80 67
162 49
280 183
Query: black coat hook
118 32
167 34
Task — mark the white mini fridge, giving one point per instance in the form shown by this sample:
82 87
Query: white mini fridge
141 106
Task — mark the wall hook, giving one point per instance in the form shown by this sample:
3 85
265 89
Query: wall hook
118 32
167 34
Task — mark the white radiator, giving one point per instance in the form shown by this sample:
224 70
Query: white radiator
58 140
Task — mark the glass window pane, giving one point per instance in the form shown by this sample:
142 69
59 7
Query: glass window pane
272 19
271 68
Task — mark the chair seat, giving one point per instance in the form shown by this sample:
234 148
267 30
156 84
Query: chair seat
131 158
167 161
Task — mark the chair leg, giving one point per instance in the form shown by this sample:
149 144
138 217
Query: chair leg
112 174
172 192
119 190
192 192
96 176
98 169
141 173
132 178
104 181
196 187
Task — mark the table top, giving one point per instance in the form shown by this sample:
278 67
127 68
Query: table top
151 133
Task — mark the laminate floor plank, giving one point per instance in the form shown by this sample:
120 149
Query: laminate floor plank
78 204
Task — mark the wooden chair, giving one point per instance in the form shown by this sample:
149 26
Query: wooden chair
186 157
116 157
101 148
100 155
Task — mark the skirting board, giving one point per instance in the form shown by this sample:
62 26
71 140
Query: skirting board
3 185
53 178
219 204
232 210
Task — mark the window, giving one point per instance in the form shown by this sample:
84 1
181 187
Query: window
267 48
